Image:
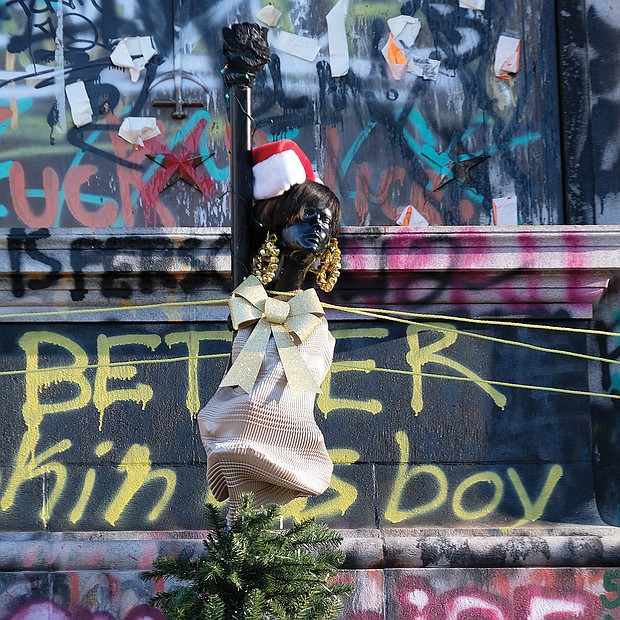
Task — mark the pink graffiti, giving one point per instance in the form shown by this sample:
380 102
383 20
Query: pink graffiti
536 603
417 600
48 610
468 604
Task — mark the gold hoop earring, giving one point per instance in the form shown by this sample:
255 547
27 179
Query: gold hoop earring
265 263
328 270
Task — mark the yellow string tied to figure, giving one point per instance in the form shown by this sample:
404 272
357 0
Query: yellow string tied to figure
299 316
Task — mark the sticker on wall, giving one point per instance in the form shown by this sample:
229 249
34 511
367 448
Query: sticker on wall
507 57
426 68
476 5
132 53
137 129
296 45
410 216
395 58
81 110
337 39
405 29
269 15
505 211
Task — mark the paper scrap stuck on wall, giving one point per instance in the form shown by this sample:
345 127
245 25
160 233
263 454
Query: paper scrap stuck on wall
137 129
395 58
132 53
269 15
426 68
410 216
337 39
296 45
505 211
405 28
81 110
507 57
476 5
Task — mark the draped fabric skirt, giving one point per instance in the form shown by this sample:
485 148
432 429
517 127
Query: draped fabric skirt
267 441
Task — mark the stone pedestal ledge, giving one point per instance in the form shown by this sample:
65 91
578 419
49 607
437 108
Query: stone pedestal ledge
565 546
526 271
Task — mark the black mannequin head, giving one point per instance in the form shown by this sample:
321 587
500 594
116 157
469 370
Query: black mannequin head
304 219
277 213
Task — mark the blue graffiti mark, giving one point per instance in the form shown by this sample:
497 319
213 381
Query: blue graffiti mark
348 158
524 139
22 106
417 120
288 134
5 167
476 122
35 193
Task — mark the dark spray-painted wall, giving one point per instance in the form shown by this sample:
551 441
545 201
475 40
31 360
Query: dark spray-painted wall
90 446
381 143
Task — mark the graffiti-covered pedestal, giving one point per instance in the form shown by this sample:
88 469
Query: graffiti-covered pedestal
458 412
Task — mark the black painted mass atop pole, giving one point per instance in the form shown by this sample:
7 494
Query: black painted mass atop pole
246 51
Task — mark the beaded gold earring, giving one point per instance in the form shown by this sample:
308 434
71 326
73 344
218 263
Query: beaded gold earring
328 270
265 263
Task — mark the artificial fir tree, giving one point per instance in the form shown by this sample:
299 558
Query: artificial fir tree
250 572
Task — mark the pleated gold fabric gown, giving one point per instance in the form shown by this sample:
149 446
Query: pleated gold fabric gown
268 442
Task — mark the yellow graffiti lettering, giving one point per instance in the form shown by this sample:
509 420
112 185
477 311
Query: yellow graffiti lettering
533 512
103 397
78 510
418 356
28 464
471 515
345 494
103 448
137 466
325 402
393 512
192 340
38 379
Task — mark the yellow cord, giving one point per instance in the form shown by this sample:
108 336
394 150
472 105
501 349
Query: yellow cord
374 314
378 313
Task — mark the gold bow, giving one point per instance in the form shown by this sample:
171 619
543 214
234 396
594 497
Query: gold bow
301 315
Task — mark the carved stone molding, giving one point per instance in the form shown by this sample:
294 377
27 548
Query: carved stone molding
553 271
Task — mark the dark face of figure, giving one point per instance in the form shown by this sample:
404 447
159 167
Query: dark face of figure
311 232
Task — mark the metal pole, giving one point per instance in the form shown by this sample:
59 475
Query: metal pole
246 52
240 181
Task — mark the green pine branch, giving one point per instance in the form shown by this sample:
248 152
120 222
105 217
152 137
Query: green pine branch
250 572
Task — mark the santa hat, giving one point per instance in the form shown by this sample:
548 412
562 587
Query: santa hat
277 166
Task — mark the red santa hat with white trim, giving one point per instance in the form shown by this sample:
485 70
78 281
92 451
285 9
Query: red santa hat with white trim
277 166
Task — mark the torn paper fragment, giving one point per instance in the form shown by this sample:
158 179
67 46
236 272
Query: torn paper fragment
396 60
137 129
426 68
269 15
505 211
296 45
337 39
507 57
410 216
405 28
132 53
476 5
81 110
